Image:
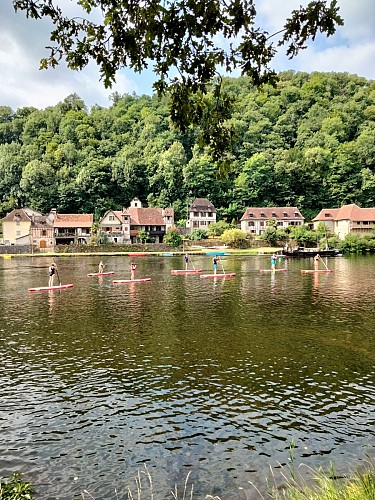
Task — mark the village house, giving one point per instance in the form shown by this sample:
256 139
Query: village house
17 224
115 226
124 226
254 220
42 233
71 228
202 213
349 219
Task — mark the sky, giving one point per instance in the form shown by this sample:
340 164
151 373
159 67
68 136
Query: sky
23 42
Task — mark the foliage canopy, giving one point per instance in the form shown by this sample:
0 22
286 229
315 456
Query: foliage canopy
180 38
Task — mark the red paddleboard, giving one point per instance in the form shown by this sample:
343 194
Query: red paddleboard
186 271
101 274
137 254
226 275
271 270
139 280
45 288
311 271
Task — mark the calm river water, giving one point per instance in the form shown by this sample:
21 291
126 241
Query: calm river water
183 374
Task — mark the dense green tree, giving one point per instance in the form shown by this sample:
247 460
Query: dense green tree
38 184
307 142
184 38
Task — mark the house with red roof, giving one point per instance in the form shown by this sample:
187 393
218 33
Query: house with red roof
71 228
254 220
123 226
349 219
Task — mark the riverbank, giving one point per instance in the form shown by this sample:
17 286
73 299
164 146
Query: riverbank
166 252
327 486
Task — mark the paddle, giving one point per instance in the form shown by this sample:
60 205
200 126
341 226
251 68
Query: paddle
222 264
192 263
323 263
58 277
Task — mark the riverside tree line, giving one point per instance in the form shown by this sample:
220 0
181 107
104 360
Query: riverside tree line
308 141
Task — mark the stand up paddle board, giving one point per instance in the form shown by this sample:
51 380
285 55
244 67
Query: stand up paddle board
185 271
271 270
139 280
107 273
312 271
46 288
225 275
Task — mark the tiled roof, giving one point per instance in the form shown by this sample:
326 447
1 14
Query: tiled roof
17 214
326 214
348 212
145 216
284 213
41 221
202 204
355 213
73 220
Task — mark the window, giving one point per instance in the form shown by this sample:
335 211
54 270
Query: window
18 233
209 214
262 214
251 215
111 217
274 215
365 223
44 232
296 214
261 223
251 223
285 214
327 215
18 223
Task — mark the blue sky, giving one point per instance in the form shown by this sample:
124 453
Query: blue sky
23 42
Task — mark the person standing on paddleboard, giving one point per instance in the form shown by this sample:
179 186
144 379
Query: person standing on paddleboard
52 271
273 262
133 267
316 262
101 267
186 259
214 262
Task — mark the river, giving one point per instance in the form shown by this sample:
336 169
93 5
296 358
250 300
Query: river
211 378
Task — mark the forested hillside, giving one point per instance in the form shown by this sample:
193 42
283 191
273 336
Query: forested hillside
308 142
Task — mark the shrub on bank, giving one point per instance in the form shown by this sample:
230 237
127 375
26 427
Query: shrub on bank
15 488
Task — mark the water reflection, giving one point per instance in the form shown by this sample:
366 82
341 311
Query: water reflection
214 376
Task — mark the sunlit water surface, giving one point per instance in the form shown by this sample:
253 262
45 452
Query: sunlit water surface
183 374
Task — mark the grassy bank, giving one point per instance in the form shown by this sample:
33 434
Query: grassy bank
325 485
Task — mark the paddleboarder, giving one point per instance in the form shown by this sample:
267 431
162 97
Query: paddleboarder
186 259
133 267
52 271
273 262
316 262
101 267
214 262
